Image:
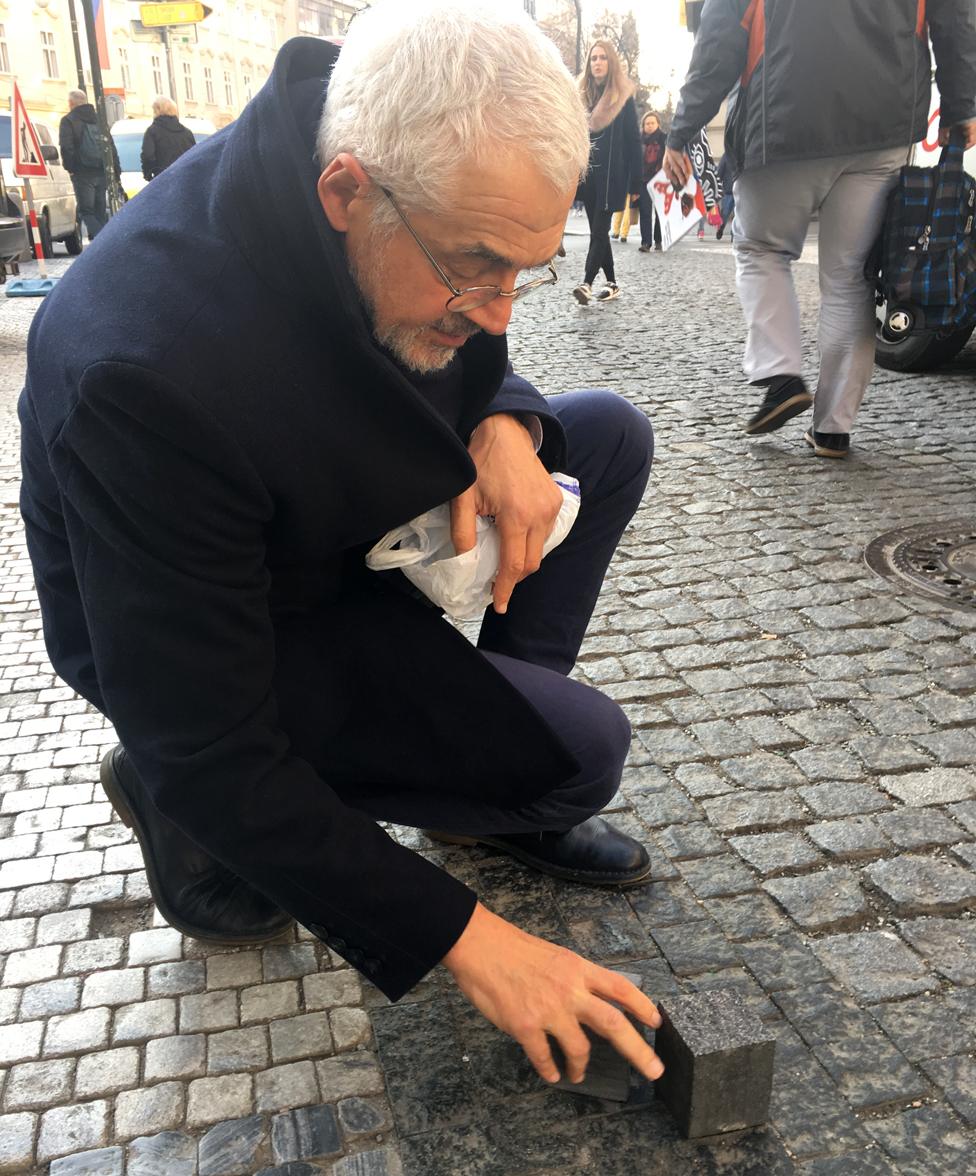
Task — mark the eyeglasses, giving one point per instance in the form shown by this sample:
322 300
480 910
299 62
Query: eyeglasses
472 296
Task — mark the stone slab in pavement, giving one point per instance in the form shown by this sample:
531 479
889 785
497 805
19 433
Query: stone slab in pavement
803 772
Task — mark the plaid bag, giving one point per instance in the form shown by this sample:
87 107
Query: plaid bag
928 244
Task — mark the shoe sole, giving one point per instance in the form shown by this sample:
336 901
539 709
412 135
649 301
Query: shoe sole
598 878
582 299
822 451
119 802
780 414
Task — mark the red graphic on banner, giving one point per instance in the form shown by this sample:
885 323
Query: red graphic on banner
28 160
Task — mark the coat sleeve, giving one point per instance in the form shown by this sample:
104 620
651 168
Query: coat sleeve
148 154
68 145
718 60
165 519
954 43
632 145
518 397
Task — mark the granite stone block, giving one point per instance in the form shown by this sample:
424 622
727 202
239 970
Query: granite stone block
305 1134
169 1153
105 1161
608 1073
231 1148
917 885
16 1141
718 1061
925 1141
949 945
829 900
874 965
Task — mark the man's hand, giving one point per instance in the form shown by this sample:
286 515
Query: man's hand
529 988
966 129
677 167
513 486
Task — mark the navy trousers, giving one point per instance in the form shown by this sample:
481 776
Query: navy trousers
535 643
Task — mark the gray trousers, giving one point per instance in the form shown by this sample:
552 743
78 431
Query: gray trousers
773 209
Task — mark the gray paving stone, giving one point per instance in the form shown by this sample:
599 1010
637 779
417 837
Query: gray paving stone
17 1141
782 962
232 1148
874 965
170 1153
304 1036
918 885
351 1029
965 814
288 961
696 947
953 748
265 1002
139 1022
305 1134
20 1042
349 1076
32 964
363 1116
829 900
663 806
774 853
762 770
925 1140
847 800
686 842
74 1032
870 1162
931 1026
107 1072
849 839
38 1085
809 1112
936 786
208 1011
956 1076
754 811
105 1161
153 1109
51 997
326 990
375 1162
238 1049
713 877
949 946
212 1099
177 978
888 753
870 1072
81 1127
746 916
239 969
183 1056
117 986
284 1087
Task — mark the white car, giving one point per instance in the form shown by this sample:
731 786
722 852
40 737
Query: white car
54 196
128 135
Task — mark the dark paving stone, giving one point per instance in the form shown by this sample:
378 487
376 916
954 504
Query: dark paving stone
305 1134
888 753
912 828
747 812
663 806
466 1151
529 1134
231 1147
756 1000
747 916
949 945
924 1142
782 962
956 1077
965 814
931 1026
850 838
829 900
827 800
376 1162
296 1168
168 1154
714 877
824 1012
697 947
828 763
953 748
917 885
684 842
965 852
809 1112
361 1116
665 904
105 1161
871 1162
774 853
870 1072
762 770
756 1153
874 965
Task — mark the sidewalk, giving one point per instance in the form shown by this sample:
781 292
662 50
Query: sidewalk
802 772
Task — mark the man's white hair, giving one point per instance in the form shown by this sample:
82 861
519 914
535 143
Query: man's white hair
422 91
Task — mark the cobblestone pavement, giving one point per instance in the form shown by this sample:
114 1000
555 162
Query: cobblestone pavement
802 771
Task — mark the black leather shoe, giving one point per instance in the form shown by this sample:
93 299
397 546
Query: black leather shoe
828 444
593 853
786 396
192 891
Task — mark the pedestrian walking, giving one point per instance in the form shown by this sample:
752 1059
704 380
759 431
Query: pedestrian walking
831 98
83 144
208 456
615 168
165 140
653 141
623 218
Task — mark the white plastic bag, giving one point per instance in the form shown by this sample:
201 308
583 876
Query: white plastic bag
460 584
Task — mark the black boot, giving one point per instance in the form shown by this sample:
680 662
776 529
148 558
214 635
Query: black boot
192 891
785 397
593 853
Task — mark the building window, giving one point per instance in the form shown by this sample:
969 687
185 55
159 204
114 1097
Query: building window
187 81
208 84
4 56
246 79
124 67
228 88
50 55
157 72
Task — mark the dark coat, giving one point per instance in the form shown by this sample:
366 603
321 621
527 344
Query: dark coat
165 140
69 136
835 77
615 160
206 457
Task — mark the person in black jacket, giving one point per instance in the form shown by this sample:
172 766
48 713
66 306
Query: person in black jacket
208 457
830 98
613 177
165 140
653 141
81 143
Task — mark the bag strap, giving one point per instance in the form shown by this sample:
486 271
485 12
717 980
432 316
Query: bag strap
950 159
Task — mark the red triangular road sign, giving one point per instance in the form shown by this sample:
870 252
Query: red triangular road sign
28 160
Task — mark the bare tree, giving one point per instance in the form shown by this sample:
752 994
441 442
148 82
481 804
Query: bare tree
564 27
621 31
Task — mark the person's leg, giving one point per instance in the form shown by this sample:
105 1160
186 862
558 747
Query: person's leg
646 215
625 220
610 450
850 219
599 255
615 223
99 202
85 195
602 222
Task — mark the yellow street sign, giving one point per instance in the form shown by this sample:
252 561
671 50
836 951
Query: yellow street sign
155 16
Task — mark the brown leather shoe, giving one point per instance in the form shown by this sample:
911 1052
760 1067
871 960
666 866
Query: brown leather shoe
192 891
593 853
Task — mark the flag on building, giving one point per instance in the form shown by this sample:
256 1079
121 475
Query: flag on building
99 7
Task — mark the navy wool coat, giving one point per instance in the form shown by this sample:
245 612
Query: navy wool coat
211 440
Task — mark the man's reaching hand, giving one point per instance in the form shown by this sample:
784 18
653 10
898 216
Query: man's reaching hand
530 988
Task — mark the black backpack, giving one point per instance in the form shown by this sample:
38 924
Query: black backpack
91 148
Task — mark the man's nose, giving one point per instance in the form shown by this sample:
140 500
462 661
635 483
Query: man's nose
493 317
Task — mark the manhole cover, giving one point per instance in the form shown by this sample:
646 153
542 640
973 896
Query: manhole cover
937 560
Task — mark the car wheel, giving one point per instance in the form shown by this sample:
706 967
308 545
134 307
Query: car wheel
902 344
73 243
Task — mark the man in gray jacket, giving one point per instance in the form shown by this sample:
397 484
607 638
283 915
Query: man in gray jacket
831 96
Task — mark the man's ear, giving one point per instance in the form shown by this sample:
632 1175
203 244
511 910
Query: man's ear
342 182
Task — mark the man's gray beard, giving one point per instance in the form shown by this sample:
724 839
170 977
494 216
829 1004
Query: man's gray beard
402 341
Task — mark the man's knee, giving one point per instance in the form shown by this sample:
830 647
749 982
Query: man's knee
603 748
610 425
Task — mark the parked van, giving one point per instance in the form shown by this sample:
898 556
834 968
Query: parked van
54 197
128 135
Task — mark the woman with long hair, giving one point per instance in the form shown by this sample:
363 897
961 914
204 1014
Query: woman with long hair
653 141
615 161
